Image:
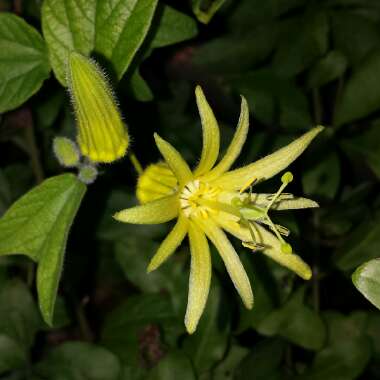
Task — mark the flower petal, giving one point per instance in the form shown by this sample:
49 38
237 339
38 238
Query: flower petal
155 212
231 260
170 244
263 199
236 144
296 203
268 166
211 138
155 182
175 161
290 261
200 277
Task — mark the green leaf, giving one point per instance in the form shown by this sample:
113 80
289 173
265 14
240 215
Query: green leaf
12 356
212 55
173 366
209 342
361 245
262 282
373 331
134 254
48 110
330 67
361 95
139 88
79 361
24 63
297 323
37 225
263 361
137 318
343 361
271 96
173 27
365 146
205 10
19 318
227 369
367 280
114 31
302 40
345 327
354 34
322 179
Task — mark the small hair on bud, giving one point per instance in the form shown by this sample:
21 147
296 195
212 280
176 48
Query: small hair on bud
66 151
287 177
87 173
286 248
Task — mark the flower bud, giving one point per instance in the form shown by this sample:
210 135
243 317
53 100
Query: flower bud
87 174
66 151
102 135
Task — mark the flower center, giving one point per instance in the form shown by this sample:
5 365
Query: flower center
195 196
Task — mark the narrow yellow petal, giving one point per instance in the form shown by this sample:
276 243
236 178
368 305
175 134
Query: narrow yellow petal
211 138
236 144
155 182
155 212
273 250
296 203
268 166
290 261
175 161
263 199
170 244
231 260
200 277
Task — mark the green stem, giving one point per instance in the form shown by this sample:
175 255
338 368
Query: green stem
84 327
34 154
136 163
317 106
315 266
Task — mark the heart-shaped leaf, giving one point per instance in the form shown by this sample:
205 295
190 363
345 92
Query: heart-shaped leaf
114 30
37 225
24 63
367 280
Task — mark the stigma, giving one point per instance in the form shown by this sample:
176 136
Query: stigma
196 197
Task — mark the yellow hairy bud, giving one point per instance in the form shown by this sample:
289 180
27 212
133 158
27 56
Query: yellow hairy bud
157 181
102 135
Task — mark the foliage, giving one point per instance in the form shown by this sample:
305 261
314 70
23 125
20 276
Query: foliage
75 299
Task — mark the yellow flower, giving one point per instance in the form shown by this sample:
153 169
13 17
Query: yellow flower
102 135
210 199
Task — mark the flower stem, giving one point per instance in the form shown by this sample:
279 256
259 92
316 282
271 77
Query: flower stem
135 163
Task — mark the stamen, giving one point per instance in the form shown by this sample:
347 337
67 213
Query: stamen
285 179
282 230
253 246
251 182
281 197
